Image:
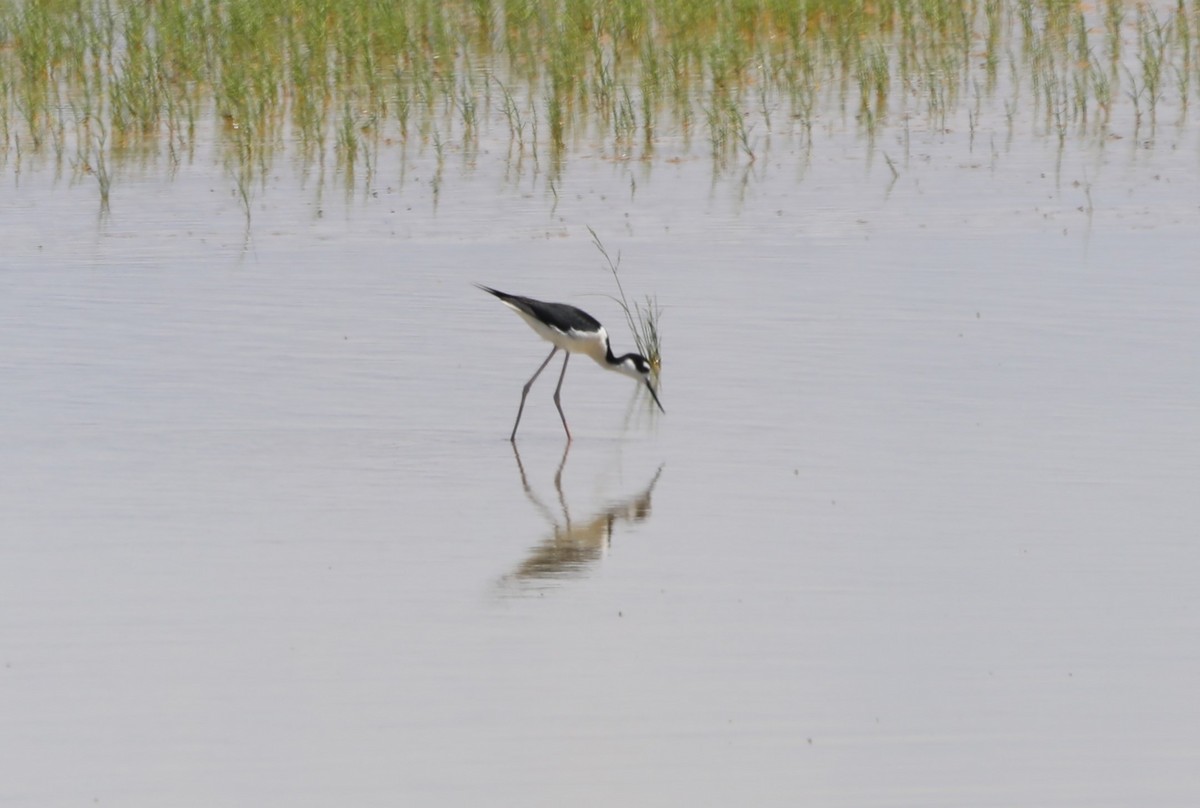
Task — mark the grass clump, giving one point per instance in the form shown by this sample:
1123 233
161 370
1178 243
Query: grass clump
642 318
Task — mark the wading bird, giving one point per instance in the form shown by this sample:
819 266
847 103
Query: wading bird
574 331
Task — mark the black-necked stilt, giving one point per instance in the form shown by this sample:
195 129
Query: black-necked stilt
574 331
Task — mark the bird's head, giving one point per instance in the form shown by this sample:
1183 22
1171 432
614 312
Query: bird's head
636 366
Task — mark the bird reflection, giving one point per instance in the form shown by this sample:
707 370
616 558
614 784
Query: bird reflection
575 544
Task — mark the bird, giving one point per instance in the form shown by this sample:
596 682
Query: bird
573 331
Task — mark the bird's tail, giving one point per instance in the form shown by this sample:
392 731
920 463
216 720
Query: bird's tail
491 291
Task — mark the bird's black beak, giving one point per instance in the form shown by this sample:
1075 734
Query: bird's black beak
654 395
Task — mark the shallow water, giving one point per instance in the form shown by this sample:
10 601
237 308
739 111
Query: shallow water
917 528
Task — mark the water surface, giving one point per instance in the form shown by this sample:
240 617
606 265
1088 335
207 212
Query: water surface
917 528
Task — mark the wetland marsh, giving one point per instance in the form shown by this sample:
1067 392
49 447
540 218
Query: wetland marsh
362 93
917 528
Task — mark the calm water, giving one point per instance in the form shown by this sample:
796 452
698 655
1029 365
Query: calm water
918 527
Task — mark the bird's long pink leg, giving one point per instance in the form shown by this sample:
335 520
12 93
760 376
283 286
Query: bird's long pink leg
558 393
525 393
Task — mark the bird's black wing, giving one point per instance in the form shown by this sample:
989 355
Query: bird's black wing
558 316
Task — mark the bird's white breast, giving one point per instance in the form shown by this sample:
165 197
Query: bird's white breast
592 343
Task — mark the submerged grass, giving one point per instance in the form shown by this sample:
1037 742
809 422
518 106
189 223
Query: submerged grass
638 79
